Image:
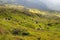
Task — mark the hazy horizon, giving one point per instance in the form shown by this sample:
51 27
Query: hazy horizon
39 4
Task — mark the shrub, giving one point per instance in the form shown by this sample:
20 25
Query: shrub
49 24
19 32
15 31
7 18
25 33
39 38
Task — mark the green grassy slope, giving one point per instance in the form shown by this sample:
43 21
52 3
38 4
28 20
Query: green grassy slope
17 25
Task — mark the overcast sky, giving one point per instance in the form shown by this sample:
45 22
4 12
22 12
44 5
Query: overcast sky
52 4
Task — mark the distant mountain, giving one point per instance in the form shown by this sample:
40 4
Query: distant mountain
27 3
39 4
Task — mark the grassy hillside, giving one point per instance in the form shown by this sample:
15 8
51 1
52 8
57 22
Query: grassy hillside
18 24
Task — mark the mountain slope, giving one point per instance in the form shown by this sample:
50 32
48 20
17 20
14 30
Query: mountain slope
22 24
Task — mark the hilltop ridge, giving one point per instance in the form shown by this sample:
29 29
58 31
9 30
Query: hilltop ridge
20 7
